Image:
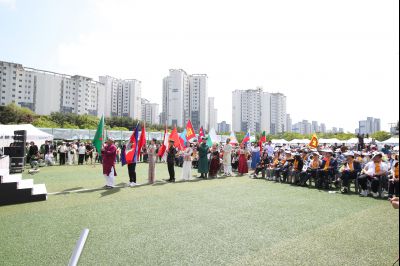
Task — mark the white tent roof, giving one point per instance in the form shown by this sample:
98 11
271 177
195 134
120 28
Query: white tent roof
394 141
331 141
33 134
300 141
279 141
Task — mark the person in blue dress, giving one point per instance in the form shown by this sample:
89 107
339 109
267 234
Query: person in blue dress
255 155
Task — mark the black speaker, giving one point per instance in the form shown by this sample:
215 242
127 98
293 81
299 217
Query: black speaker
20 138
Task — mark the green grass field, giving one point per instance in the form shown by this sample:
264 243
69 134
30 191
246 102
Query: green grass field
233 221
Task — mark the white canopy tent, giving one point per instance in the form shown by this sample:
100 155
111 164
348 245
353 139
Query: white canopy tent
300 141
331 141
33 134
391 141
279 141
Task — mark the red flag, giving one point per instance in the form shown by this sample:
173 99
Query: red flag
175 137
263 139
163 148
142 140
190 134
201 133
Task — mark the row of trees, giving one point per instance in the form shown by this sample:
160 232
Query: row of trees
13 114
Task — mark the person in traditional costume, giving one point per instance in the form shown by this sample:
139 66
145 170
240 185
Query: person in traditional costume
203 150
152 159
109 155
255 155
243 157
227 158
215 162
350 171
187 162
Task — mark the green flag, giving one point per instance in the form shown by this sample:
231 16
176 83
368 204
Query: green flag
99 137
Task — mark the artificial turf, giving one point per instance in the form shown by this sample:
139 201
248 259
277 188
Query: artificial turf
232 221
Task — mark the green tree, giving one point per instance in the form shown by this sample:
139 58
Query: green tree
45 122
13 114
381 136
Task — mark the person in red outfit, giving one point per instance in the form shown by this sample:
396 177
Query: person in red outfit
109 154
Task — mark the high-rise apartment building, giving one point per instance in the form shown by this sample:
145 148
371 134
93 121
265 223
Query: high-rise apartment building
150 112
45 92
258 111
123 98
369 126
185 97
212 114
250 109
278 113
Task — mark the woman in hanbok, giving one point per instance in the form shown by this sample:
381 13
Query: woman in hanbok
243 156
152 159
255 156
187 163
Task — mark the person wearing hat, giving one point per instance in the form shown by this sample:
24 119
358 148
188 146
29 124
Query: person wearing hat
203 159
109 154
328 170
297 169
152 159
374 171
171 155
312 169
187 162
282 172
350 171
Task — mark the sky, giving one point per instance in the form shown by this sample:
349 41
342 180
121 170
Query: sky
336 61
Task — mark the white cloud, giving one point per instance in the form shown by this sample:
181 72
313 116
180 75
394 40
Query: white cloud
331 59
8 3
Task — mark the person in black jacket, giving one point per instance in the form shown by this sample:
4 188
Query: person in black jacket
171 161
297 169
350 171
33 151
327 171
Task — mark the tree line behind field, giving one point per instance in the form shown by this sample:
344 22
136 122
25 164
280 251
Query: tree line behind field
13 114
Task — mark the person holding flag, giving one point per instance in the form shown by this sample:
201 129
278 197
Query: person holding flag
131 156
171 155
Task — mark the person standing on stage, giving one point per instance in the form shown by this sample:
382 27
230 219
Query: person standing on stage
228 158
203 159
109 155
152 153
171 155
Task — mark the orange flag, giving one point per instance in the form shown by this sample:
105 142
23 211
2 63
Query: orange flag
190 134
314 142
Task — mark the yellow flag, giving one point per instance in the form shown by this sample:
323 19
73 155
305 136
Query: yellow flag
314 142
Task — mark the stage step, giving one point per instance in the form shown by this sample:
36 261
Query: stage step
39 189
15 190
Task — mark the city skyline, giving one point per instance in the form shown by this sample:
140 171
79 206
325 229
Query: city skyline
340 62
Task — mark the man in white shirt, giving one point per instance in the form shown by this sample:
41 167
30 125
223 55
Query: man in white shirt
82 153
373 171
228 158
269 149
